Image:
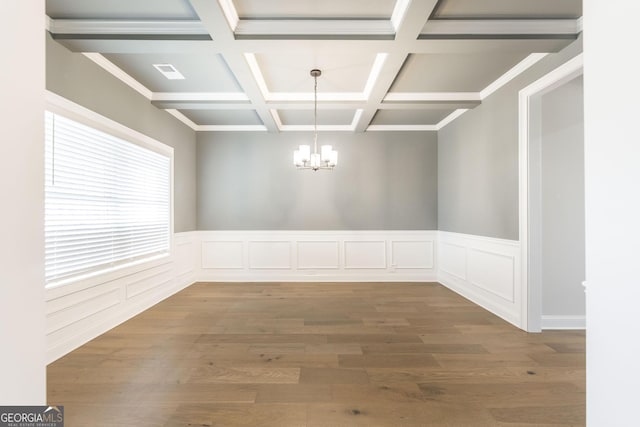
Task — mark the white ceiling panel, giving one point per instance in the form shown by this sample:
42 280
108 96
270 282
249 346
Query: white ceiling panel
453 73
203 73
120 9
341 72
508 9
336 9
223 117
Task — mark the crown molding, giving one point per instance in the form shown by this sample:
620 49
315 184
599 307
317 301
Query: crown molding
118 73
432 97
402 128
231 128
184 119
200 96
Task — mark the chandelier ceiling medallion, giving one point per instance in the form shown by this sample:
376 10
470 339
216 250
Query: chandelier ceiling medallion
303 158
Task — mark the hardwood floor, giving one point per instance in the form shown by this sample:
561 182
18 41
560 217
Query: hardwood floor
330 354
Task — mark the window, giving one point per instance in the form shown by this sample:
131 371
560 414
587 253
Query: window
107 201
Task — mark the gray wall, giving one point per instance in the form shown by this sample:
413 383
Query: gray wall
478 160
383 181
78 79
562 185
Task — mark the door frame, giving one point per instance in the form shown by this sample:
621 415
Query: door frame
529 188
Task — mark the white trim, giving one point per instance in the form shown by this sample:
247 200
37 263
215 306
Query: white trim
57 103
314 27
230 13
269 96
399 12
199 96
497 289
564 322
118 73
372 263
231 128
184 119
433 97
116 26
500 27
531 295
321 128
309 96
396 128
77 313
376 69
356 118
451 117
514 72
252 62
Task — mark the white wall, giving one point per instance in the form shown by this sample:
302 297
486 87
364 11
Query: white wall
22 354
612 180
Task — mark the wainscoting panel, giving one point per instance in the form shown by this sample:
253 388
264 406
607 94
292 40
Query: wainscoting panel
365 254
269 255
484 270
318 255
493 272
80 311
222 255
383 256
453 260
407 254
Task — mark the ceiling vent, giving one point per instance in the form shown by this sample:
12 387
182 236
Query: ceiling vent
169 71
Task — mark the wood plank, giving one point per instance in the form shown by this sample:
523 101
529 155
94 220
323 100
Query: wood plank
321 354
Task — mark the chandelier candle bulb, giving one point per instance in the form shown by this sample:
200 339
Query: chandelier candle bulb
315 160
305 153
333 158
326 153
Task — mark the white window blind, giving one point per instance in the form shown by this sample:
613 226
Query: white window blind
107 201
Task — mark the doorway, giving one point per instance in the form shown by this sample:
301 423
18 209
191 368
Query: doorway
552 200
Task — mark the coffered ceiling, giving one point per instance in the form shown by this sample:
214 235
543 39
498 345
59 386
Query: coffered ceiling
386 64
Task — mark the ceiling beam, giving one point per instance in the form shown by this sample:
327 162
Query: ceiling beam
408 27
107 27
214 19
513 28
82 44
298 29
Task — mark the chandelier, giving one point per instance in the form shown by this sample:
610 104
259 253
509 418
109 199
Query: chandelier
303 158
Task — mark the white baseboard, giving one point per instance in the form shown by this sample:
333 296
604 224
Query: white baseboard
260 277
564 322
